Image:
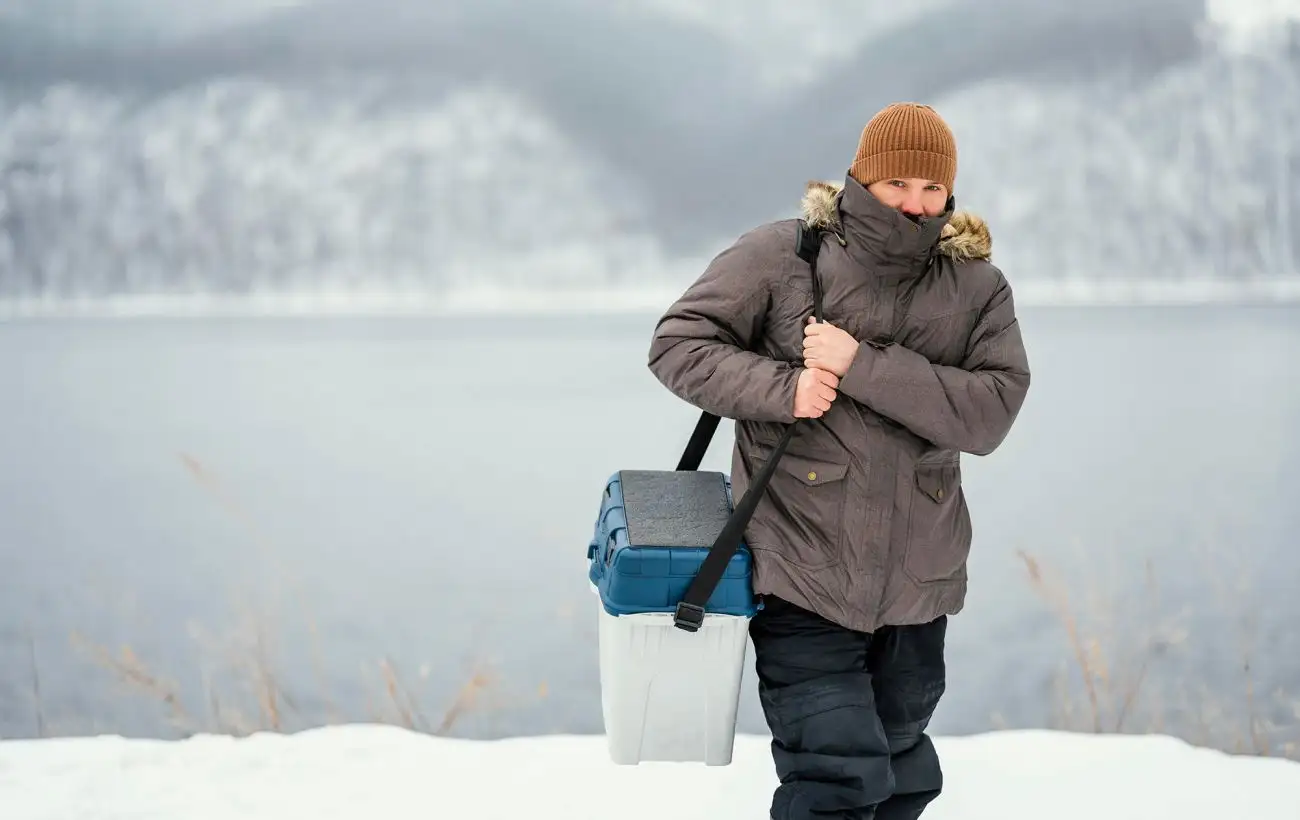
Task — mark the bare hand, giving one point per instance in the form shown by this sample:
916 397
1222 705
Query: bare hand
827 347
814 392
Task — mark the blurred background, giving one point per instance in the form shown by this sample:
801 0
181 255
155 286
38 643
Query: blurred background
323 323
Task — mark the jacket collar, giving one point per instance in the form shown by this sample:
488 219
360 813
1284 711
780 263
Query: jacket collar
883 238
885 241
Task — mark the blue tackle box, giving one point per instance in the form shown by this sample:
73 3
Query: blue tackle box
655 529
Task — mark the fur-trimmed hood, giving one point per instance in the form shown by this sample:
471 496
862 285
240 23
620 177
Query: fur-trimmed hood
966 236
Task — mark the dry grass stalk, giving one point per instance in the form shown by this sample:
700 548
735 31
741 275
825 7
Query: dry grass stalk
267 687
1112 705
1112 682
1058 597
131 671
271 698
38 701
465 700
251 662
399 696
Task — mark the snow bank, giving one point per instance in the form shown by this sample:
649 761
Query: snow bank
382 772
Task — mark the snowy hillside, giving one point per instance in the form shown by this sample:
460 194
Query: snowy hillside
361 771
1193 176
418 184
245 186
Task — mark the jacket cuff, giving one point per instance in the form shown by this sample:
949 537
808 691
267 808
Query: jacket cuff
858 379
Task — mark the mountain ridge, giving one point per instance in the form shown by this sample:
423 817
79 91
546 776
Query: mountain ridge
425 180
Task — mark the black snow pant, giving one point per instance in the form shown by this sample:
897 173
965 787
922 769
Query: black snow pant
848 713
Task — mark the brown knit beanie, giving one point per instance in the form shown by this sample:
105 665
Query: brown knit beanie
906 140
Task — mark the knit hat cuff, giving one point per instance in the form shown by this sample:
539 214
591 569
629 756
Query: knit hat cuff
905 163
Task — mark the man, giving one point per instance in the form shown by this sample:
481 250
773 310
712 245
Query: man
860 543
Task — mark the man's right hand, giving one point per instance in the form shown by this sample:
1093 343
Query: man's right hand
814 392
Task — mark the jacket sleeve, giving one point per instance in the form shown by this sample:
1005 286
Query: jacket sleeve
970 407
701 349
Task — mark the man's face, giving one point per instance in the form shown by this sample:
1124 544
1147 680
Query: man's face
914 197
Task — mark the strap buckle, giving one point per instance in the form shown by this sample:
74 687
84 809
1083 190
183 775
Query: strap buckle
688 617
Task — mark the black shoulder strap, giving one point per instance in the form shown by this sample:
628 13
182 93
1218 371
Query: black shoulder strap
690 610
808 243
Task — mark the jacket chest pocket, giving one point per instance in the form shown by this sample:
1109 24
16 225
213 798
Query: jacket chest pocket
938 525
801 516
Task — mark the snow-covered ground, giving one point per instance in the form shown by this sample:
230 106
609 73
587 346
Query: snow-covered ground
383 772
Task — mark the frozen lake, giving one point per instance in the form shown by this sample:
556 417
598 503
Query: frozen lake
325 494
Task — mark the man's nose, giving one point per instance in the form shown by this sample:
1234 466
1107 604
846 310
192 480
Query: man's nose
912 206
